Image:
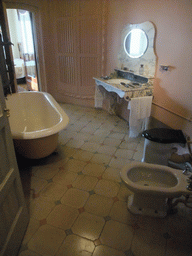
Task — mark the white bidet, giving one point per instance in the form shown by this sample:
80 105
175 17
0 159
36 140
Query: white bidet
152 185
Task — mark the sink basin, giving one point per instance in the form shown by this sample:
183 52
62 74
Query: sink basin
118 81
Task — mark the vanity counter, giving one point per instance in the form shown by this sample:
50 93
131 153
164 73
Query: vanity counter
121 90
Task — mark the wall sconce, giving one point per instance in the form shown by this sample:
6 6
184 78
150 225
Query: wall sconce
164 68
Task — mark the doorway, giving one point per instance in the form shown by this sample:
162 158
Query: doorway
24 57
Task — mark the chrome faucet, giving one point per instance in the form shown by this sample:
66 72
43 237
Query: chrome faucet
188 169
189 180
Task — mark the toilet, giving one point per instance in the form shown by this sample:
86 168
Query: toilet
152 185
159 143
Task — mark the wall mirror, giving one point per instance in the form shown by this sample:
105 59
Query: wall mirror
137 48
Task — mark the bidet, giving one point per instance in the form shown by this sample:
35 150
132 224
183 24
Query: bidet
152 185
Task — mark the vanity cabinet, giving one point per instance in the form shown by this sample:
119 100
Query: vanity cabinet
113 90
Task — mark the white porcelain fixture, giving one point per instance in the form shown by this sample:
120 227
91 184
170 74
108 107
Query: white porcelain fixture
152 185
35 121
157 153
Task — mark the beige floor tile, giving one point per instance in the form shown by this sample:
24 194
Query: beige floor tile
90 146
74 165
83 136
85 182
124 192
148 243
107 126
112 174
127 138
142 249
93 169
102 132
176 247
152 224
97 138
28 253
120 212
83 155
118 162
107 188
37 184
65 136
179 228
31 229
117 235
76 246
63 168
89 129
41 207
112 142
68 151
45 172
75 198
128 145
103 250
76 126
75 143
65 178
105 149
101 159
62 216
54 191
140 148
88 226
99 205
116 135
121 129
137 156
124 153
47 240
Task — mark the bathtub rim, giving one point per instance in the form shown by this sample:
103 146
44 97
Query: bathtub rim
64 119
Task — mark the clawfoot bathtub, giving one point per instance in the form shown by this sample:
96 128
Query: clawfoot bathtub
35 121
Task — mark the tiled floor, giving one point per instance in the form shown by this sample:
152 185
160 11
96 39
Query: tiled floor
78 204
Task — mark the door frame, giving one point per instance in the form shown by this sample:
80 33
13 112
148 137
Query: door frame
38 42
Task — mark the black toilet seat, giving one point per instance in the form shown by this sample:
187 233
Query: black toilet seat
164 135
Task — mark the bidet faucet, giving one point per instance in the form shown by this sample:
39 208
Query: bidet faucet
188 169
189 180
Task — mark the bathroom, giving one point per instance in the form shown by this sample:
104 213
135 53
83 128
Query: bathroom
172 90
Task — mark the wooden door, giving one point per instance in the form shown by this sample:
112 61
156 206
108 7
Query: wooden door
6 65
14 215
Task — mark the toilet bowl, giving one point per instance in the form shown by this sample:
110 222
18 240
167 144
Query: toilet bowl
159 143
152 185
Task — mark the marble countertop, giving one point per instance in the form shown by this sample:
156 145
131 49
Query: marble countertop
125 92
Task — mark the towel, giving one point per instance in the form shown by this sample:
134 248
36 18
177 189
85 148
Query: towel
145 106
140 110
99 97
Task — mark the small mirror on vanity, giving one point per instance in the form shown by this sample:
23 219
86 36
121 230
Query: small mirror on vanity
137 49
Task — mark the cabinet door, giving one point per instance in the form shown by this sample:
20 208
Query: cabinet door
77 32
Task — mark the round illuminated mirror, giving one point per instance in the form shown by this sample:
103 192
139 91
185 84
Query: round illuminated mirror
136 43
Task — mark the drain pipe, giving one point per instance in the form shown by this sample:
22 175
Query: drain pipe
180 200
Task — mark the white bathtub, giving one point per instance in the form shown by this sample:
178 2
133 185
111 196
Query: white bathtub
35 121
